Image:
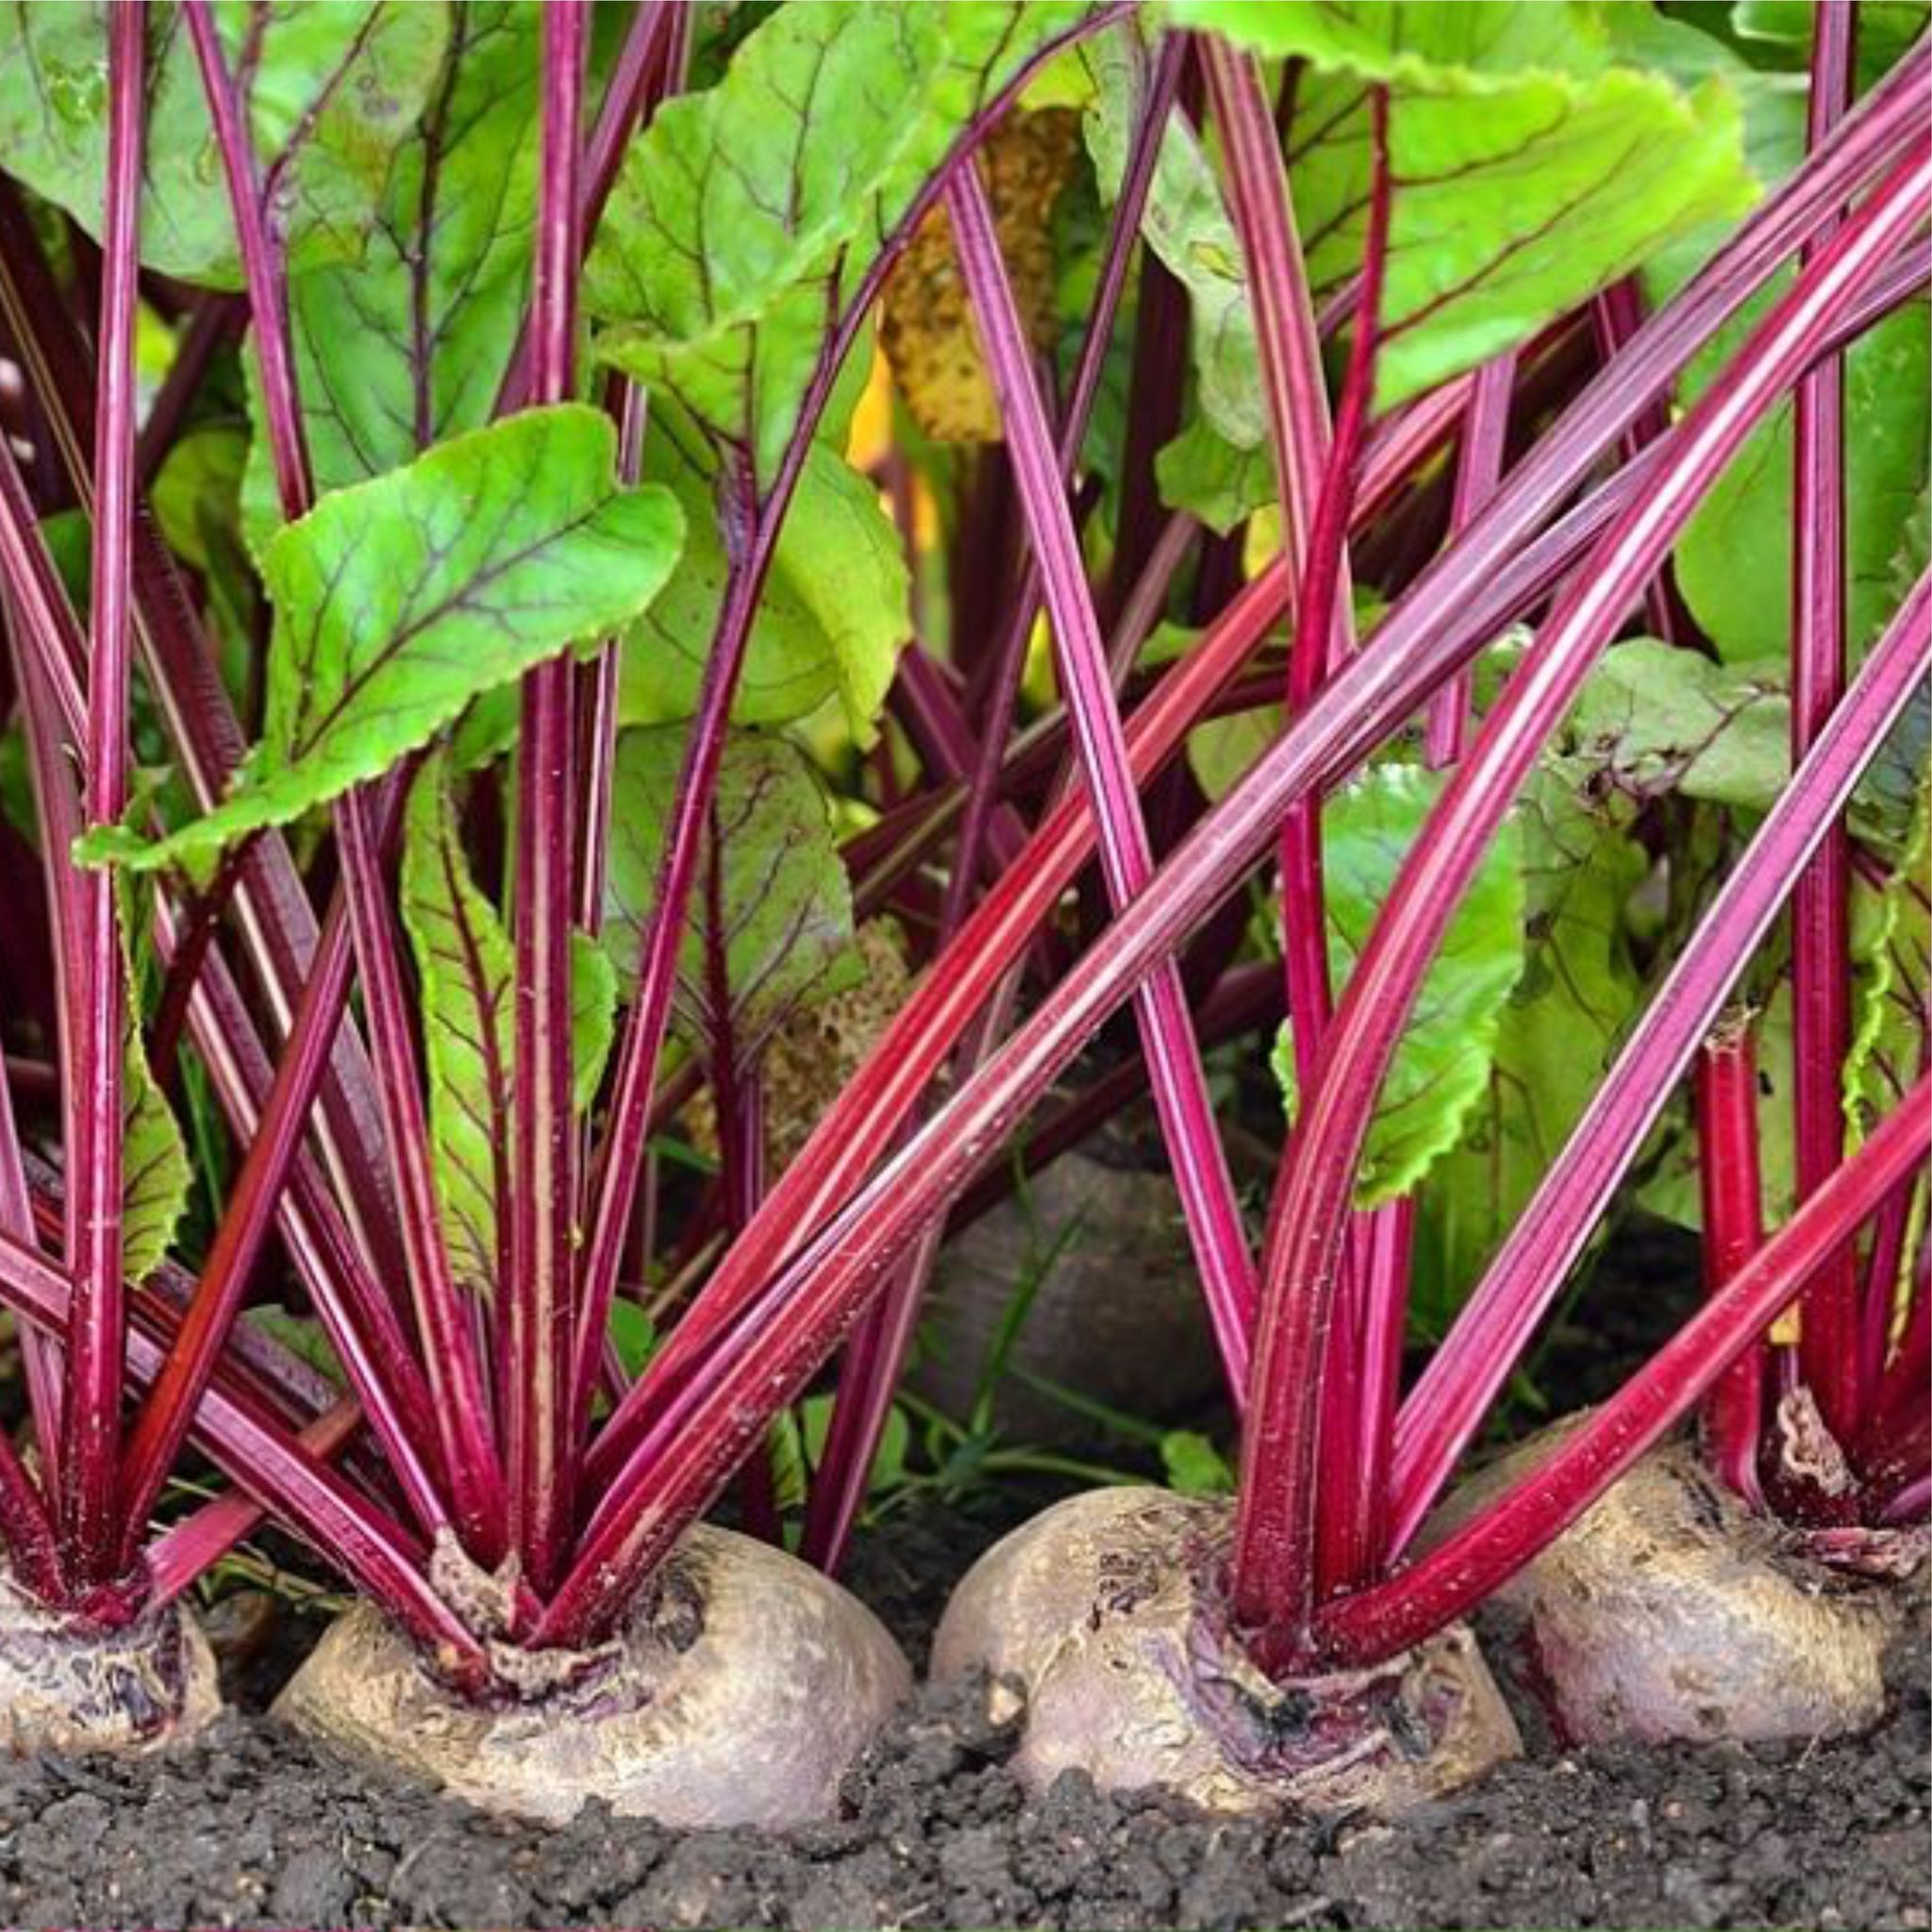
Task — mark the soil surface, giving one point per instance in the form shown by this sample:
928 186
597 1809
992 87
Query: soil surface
253 1827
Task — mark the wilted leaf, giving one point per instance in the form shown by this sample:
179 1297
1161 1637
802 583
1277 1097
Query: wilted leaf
771 914
927 329
1442 1064
326 92
400 600
747 214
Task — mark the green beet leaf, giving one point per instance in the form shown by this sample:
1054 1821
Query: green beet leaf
156 1174
1891 1037
1528 168
1556 1033
328 93
1734 559
1654 719
747 213
401 600
467 967
770 924
1442 1064
407 346
832 614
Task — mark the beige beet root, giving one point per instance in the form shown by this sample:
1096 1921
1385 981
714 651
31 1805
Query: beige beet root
742 1690
1670 1611
1100 1622
68 1687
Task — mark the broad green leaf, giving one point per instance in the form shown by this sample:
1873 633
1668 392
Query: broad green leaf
832 616
1734 559
328 93
1186 225
1556 1033
401 600
1654 719
1528 169
466 964
772 908
409 345
1442 1064
748 214
1891 1037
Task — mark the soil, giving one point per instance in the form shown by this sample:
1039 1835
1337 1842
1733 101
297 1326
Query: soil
253 1827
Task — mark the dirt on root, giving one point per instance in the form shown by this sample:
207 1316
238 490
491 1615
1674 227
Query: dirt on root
254 1827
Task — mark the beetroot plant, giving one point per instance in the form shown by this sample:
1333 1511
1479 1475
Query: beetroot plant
576 800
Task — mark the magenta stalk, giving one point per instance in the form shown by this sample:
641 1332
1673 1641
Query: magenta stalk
1829 1345
1178 1080
1472 1562
1274 1566
1441 1416
541 1433
1733 1209
90 1454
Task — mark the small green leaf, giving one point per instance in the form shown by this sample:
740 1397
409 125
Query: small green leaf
326 93
401 600
1218 481
747 213
784 922
1195 1466
634 1336
1442 1064
1891 1040
1654 719
832 615
1528 168
467 967
592 1016
156 1174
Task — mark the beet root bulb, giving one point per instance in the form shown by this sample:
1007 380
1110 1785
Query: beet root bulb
741 1692
71 1687
1670 1611
1101 1627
